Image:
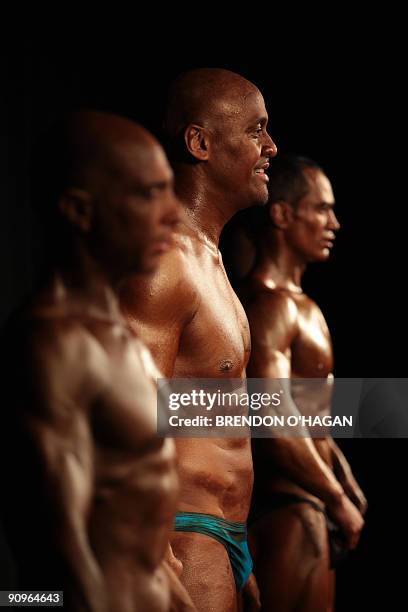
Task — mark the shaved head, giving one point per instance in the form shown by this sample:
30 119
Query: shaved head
205 96
80 150
106 181
96 140
215 126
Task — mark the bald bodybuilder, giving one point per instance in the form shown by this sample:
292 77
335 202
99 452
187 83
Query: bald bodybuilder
93 490
195 326
290 339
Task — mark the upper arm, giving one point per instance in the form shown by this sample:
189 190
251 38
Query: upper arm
159 307
272 319
54 422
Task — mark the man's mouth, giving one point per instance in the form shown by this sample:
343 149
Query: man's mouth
328 242
162 245
260 170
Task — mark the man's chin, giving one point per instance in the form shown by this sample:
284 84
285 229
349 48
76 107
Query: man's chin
258 199
147 266
151 266
322 255
263 197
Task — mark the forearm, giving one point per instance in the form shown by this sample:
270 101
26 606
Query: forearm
323 447
343 472
296 455
341 466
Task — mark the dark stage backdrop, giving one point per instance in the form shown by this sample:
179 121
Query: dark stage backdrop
341 110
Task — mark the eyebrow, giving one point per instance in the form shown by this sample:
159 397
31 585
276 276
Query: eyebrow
323 203
262 120
160 184
155 185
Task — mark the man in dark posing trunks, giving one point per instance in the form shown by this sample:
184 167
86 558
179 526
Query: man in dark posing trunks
195 326
290 339
92 490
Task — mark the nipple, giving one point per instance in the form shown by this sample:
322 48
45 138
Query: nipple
226 365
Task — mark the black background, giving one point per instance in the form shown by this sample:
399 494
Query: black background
335 99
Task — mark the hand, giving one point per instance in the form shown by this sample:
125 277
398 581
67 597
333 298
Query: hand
349 519
174 563
250 595
180 600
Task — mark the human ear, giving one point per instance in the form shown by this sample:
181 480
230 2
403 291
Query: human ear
197 141
281 214
76 206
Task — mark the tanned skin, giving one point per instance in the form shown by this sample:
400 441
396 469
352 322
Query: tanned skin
190 317
290 339
97 488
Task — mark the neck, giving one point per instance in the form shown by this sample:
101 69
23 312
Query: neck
279 266
81 279
207 209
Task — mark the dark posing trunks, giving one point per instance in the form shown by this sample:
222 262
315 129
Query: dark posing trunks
277 500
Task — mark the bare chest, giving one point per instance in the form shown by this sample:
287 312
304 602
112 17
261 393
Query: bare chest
311 351
216 342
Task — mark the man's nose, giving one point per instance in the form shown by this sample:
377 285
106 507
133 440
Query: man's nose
172 211
333 221
269 148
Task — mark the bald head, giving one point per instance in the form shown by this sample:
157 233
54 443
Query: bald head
81 149
204 96
87 150
97 140
106 181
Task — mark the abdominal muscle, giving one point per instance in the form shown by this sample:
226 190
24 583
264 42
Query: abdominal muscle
216 476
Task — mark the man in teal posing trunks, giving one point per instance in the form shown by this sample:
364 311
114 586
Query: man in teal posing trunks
195 326
233 536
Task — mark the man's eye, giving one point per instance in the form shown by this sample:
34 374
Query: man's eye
152 192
